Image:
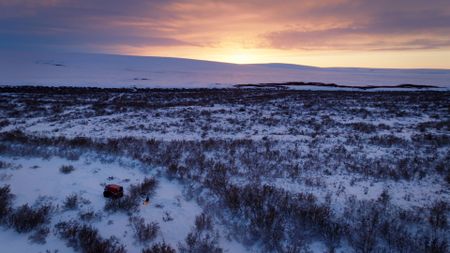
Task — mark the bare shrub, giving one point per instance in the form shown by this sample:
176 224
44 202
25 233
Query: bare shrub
144 232
26 218
387 140
384 197
40 235
71 202
436 245
6 199
364 127
16 136
66 169
332 233
86 238
216 178
4 165
198 242
172 170
159 248
146 188
167 217
202 238
80 142
89 216
4 122
203 222
438 215
364 226
124 204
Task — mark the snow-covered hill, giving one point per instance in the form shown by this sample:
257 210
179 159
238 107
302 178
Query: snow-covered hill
70 69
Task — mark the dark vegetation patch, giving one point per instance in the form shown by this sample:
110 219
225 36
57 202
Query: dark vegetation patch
333 85
71 202
143 232
40 235
159 248
86 238
66 169
6 200
202 238
25 218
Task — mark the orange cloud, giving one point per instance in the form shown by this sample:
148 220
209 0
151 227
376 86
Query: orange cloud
237 31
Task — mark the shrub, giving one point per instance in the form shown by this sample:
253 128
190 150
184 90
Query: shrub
384 197
202 238
386 140
16 136
5 202
438 215
4 123
436 245
332 233
147 187
25 218
87 238
123 204
172 170
143 232
159 248
66 169
198 242
363 127
167 217
89 215
80 142
40 235
364 233
203 222
71 201
4 165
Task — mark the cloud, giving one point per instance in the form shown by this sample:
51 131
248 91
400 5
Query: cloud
378 25
85 24
290 25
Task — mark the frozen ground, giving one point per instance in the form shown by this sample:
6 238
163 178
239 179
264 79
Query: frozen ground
33 179
276 170
63 69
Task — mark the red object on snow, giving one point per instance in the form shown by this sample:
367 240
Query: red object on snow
113 191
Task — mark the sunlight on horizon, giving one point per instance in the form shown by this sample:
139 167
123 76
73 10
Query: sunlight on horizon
437 59
329 33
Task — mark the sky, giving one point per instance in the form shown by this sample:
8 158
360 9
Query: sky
327 33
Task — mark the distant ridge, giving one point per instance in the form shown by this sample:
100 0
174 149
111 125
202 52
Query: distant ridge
333 85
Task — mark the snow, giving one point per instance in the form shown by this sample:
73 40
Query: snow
78 69
31 179
34 178
17 243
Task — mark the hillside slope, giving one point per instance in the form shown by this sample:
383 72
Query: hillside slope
69 69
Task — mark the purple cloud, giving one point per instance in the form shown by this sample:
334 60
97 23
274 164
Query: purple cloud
311 25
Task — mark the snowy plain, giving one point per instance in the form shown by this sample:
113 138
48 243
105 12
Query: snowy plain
339 153
101 70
